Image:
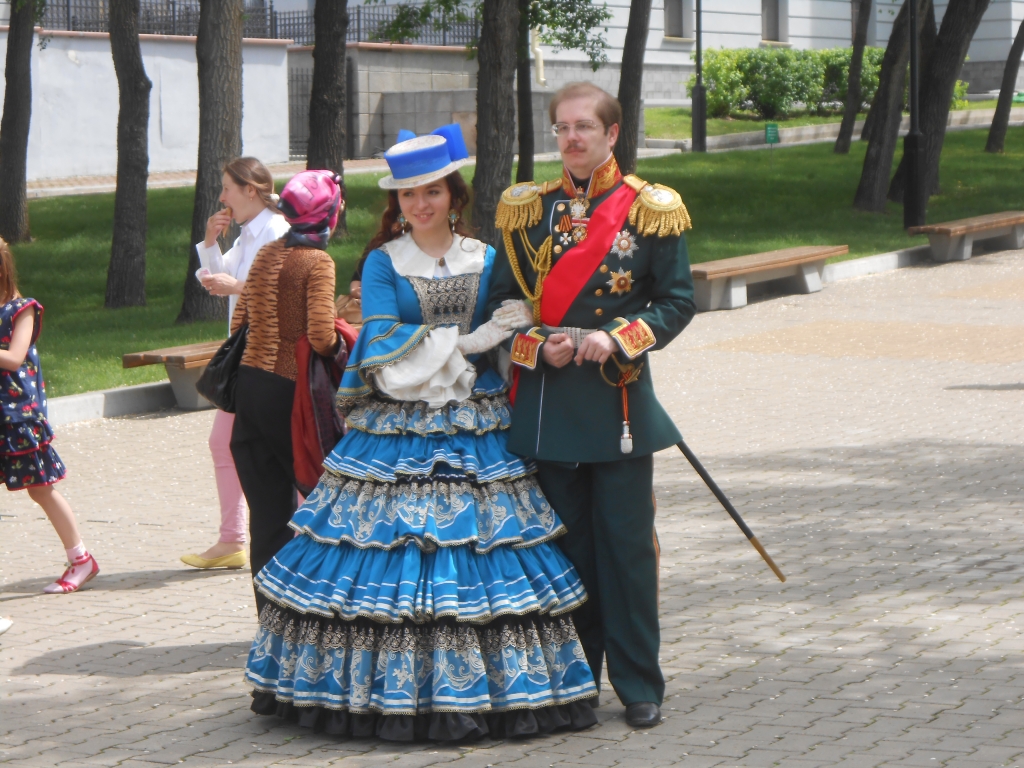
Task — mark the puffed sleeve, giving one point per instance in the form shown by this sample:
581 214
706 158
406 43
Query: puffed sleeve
405 361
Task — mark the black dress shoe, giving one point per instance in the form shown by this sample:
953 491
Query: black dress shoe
643 714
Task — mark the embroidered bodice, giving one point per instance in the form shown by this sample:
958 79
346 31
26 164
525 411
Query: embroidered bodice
414 309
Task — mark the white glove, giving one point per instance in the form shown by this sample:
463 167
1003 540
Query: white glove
513 314
487 336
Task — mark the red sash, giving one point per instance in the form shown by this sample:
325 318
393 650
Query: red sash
574 269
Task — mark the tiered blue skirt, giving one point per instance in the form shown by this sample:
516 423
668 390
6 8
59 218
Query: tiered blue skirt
424 597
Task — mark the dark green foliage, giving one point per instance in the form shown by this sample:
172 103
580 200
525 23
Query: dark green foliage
564 24
572 25
836 62
726 89
774 81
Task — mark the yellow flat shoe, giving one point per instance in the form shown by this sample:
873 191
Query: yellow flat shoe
236 560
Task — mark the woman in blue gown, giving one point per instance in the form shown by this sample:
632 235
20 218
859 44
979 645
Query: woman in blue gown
423 596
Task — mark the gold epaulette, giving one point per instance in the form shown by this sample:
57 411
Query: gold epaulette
658 210
520 207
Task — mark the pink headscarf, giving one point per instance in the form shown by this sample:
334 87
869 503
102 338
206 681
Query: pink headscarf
311 202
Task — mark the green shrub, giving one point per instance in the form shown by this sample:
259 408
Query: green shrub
808 77
959 100
869 75
836 64
770 77
722 79
771 80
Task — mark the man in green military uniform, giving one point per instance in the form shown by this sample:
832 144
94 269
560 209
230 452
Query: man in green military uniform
603 261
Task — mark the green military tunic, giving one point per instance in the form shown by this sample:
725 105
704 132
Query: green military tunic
570 419
572 413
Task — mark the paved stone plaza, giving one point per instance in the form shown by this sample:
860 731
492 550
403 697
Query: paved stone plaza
871 434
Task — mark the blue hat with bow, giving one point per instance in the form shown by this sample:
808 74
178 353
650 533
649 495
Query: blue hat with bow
417 160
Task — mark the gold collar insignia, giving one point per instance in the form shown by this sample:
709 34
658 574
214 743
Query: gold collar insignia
604 177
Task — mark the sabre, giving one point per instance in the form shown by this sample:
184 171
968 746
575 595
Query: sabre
692 458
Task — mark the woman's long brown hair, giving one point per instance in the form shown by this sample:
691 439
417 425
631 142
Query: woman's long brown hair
8 274
390 229
250 172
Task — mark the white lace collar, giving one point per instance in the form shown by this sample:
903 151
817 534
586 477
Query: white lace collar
466 256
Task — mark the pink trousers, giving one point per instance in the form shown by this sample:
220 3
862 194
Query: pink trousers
229 489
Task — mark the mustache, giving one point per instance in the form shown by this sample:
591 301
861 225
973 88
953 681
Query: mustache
574 145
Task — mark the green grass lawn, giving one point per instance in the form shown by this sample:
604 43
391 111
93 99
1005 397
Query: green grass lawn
676 122
741 202
65 267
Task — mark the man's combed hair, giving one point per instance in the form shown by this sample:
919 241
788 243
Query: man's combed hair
608 109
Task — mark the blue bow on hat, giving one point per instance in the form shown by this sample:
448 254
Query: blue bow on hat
417 160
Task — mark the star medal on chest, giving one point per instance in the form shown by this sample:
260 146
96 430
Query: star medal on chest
625 245
579 207
621 281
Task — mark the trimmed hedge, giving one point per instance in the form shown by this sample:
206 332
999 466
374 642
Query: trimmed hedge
771 81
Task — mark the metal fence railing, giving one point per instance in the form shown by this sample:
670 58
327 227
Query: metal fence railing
181 17
300 88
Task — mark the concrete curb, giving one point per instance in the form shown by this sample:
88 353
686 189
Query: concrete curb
962 120
107 403
146 398
880 262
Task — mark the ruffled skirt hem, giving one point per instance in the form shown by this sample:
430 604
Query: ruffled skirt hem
431 726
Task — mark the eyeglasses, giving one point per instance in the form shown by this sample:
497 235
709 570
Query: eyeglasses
582 128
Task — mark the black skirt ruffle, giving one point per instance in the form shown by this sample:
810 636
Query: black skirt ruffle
435 726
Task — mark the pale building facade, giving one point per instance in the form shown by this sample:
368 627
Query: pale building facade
750 23
75 103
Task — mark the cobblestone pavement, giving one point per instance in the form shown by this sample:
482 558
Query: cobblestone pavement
872 435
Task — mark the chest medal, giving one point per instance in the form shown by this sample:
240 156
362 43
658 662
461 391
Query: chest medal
579 220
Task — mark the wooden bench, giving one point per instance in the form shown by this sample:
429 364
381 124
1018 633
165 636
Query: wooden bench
953 240
184 365
723 284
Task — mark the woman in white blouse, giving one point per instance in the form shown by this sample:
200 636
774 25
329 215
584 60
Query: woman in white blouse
248 197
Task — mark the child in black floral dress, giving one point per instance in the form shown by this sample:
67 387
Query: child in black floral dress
27 459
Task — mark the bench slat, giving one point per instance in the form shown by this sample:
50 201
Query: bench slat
973 224
757 262
183 355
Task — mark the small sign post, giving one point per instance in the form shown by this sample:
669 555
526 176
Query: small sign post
771 137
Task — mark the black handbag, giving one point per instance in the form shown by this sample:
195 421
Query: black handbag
217 384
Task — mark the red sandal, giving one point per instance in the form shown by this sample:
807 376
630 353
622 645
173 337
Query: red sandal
75 576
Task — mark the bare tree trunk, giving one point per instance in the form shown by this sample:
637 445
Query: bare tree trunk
219 56
853 92
631 79
15 123
938 79
495 112
997 133
126 273
929 31
885 117
327 100
524 94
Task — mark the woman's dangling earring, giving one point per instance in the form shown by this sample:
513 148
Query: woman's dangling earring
453 217
402 222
